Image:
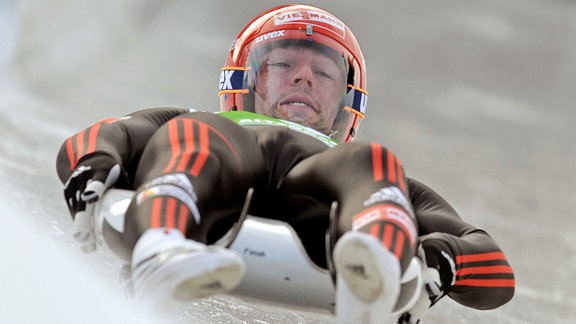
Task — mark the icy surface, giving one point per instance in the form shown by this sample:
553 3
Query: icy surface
477 99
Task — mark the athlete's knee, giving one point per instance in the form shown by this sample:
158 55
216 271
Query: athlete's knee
391 221
386 211
168 201
384 165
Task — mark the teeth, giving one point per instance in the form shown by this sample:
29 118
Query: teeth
297 103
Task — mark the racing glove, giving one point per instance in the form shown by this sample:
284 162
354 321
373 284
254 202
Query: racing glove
430 294
92 176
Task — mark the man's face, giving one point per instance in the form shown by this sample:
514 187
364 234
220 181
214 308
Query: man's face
301 85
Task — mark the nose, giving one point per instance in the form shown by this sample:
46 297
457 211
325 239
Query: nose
303 74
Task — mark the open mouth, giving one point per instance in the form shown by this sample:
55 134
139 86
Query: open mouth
298 108
298 104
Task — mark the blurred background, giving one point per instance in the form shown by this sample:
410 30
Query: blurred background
476 98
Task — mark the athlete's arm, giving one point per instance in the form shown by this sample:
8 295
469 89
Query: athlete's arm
473 269
122 139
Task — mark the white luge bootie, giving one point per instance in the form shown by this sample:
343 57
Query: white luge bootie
167 266
368 279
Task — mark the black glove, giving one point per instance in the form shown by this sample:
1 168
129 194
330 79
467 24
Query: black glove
91 177
430 294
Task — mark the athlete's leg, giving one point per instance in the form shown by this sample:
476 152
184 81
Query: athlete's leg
193 176
376 231
368 183
192 181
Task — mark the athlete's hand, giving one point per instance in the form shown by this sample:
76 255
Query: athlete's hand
91 177
430 294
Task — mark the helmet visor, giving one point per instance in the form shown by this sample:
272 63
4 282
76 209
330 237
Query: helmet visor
303 81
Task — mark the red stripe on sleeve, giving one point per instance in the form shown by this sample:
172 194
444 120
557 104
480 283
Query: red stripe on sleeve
490 256
80 145
501 283
92 137
70 152
484 270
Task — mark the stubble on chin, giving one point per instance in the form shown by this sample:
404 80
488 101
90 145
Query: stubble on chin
274 112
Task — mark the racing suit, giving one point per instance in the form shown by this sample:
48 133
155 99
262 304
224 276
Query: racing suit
192 171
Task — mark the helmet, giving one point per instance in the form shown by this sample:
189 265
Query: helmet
308 29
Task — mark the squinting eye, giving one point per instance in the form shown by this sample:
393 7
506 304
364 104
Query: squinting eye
324 74
279 64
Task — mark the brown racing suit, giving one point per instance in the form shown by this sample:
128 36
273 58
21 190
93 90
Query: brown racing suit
295 177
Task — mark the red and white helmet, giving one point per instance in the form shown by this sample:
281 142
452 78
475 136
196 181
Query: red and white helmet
296 25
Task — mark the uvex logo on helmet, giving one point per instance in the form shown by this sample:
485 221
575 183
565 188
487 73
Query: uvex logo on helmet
274 34
315 18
